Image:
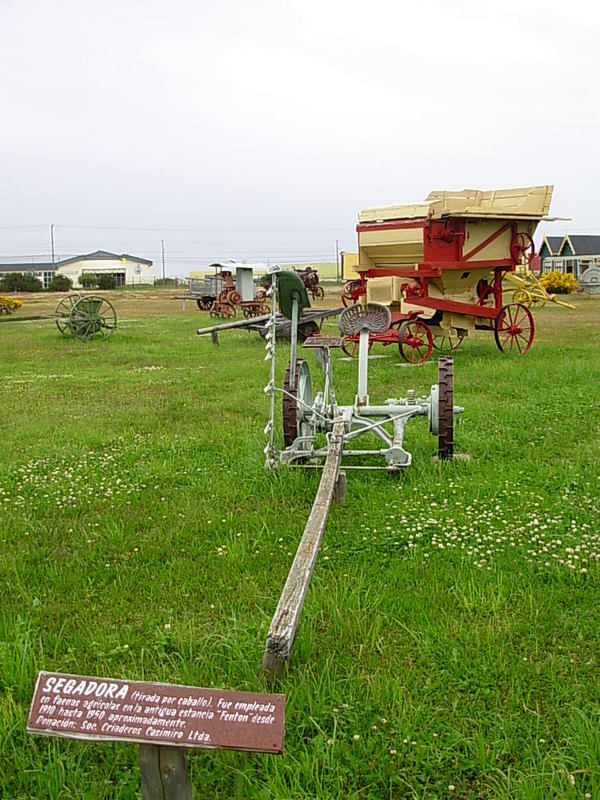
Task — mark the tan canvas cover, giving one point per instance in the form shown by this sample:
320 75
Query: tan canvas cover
529 202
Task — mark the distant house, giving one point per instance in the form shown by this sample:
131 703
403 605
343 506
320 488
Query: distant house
126 269
574 254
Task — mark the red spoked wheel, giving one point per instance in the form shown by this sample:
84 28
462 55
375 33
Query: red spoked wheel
350 345
514 329
350 293
415 342
446 343
522 248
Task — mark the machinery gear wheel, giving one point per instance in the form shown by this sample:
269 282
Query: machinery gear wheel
445 408
297 403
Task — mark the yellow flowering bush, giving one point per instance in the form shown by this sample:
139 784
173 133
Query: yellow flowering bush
559 282
9 304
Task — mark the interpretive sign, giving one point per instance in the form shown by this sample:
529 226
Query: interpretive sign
81 707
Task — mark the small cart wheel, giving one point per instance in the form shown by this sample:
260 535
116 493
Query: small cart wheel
261 294
446 343
522 296
62 312
350 345
415 342
92 318
297 405
318 292
445 408
514 329
522 248
204 303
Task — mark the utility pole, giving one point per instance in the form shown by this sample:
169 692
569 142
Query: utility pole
337 260
162 244
52 240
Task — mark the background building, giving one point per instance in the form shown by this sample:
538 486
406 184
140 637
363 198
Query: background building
571 253
126 269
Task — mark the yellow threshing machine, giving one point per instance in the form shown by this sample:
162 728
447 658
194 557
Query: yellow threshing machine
439 266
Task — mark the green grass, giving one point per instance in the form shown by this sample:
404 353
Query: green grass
451 633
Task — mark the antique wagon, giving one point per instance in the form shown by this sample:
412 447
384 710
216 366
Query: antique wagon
229 288
439 266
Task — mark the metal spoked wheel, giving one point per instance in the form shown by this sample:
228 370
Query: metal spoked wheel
297 405
446 343
514 329
415 342
445 408
522 248
204 303
348 296
92 318
351 346
318 292
62 312
522 296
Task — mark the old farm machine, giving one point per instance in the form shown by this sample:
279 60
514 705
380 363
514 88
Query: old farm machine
87 317
230 288
439 267
319 431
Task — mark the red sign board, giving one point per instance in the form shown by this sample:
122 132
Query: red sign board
104 709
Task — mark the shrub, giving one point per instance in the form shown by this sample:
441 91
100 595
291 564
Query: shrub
559 282
107 282
16 282
60 283
9 304
88 280
165 282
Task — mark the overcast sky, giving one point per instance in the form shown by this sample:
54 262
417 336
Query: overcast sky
259 129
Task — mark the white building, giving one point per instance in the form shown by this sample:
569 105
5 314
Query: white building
126 269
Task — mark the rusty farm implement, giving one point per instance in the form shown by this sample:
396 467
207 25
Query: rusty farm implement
440 266
229 289
318 431
87 317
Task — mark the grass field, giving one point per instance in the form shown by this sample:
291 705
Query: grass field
450 641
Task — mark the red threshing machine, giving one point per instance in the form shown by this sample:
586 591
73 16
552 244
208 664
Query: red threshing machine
439 266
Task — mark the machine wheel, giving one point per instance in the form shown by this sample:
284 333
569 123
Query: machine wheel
261 294
92 318
522 248
445 343
318 292
415 342
62 312
351 346
347 297
514 329
297 404
235 298
522 296
445 408
204 303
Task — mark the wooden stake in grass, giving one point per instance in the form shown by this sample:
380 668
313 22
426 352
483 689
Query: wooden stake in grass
164 773
284 624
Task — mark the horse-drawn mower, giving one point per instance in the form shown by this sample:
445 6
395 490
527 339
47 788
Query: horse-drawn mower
439 266
308 416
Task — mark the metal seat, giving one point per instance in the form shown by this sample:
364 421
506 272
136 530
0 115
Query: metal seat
372 317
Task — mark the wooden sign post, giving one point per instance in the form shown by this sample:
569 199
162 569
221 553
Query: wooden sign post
164 719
